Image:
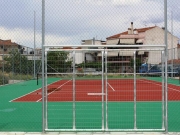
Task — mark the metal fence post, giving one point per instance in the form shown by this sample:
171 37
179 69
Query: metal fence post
42 61
166 52
74 93
103 89
163 90
106 83
135 126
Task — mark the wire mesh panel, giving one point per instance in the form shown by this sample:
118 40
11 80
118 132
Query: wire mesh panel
135 89
108 90
74 101
88 22
17 63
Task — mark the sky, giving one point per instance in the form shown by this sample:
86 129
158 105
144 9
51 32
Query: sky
70 21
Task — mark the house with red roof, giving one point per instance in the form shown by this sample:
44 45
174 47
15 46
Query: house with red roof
141 36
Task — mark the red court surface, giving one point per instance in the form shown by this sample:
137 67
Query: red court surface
91 90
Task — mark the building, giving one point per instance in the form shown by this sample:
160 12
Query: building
144 36
6 46
133 36
178 51
90 56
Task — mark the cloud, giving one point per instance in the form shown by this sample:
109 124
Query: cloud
26 37
70 21
125 2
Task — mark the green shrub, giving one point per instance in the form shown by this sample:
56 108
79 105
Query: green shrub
3 78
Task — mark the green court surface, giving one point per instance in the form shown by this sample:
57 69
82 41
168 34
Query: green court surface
27 116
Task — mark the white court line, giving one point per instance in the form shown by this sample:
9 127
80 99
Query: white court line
100 94
96 94
160 85
111 87
31 92
55 89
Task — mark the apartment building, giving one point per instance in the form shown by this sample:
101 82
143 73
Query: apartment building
143 36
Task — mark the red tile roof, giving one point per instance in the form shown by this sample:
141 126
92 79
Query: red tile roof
126 32
7 42
175 61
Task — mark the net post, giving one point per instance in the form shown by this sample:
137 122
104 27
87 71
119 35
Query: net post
37 78
135 126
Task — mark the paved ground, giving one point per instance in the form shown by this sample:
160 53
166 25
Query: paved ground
88 133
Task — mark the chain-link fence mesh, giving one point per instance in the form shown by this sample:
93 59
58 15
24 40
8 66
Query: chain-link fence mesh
78 22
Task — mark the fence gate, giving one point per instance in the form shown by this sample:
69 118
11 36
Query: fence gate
103 89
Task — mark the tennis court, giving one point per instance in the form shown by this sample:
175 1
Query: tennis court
90 90
21 106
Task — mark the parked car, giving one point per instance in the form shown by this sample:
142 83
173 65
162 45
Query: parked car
150 69
175 71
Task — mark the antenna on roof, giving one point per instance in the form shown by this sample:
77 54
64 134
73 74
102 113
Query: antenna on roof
145 24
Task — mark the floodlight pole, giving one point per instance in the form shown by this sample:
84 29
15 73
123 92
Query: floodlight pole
34 44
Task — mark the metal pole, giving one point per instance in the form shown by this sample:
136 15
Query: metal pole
46 94
34 44
106 83
43 43
93 42
13 70
74 93
20 67
102 89
27 65
172 44
119 46
162 64
135 127
3 65
166 85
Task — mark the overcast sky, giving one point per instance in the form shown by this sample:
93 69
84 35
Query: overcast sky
70 21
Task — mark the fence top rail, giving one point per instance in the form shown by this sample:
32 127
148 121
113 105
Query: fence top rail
104 46
115 50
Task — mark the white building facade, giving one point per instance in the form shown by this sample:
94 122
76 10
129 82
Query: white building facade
146 36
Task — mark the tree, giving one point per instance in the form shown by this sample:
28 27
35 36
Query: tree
138 64
58 61
15 62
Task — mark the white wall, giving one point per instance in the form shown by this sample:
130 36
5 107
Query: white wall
127 41
79 57
178 51
155 36
89 57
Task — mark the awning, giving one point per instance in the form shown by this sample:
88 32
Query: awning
126 53
117 53
112 41
109 53
140 41
140 52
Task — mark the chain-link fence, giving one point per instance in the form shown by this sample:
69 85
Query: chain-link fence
80 22
18 63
